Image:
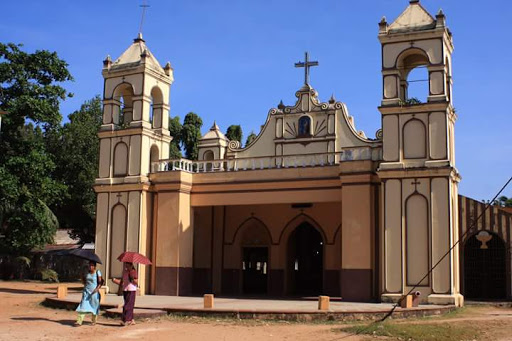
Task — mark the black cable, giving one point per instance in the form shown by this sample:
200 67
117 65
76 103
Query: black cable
418 80
472 226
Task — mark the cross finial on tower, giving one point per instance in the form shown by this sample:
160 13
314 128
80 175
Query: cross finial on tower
306 65
144 6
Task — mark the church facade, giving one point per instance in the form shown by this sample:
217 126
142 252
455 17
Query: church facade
311 206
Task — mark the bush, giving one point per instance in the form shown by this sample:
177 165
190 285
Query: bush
49 275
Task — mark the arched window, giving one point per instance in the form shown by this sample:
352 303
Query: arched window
156 108
304 126
418 85
415 140
151 112
123 110
414 84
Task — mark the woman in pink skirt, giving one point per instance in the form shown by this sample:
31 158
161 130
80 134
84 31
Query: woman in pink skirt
129 283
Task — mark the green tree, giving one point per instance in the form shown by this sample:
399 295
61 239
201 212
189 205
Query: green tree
30 93
75 149
503 201
191 134
252 136
175 128
234 133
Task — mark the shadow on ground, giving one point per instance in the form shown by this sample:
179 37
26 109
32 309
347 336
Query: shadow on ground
62 322
24 291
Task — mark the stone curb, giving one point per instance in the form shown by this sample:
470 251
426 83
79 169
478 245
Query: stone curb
284 315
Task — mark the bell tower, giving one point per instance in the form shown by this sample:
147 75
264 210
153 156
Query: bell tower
133 134
420 181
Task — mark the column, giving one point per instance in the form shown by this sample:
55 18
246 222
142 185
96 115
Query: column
174 244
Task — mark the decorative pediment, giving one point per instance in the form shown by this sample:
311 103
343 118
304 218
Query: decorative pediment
307 101
307 127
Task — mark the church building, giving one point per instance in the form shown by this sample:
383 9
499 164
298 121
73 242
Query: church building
311 206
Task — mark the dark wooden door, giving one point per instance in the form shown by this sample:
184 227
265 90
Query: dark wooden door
255 270
305 261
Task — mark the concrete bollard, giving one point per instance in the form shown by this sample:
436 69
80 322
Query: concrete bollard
62 291
103 294
416 298
208 301
323 302
406 301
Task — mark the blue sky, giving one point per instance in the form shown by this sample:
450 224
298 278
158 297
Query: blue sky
233 60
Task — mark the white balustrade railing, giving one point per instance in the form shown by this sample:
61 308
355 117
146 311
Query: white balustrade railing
361 153
266 162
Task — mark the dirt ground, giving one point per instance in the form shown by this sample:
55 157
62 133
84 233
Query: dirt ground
23 318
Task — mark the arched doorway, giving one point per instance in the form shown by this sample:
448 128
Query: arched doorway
485 267
305 261
253 241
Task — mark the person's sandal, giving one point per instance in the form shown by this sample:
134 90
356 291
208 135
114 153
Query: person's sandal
131 323
77 324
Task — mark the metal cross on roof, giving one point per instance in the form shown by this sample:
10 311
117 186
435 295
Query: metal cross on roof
306 65
144 6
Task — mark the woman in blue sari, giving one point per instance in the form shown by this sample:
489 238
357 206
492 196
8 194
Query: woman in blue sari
90 303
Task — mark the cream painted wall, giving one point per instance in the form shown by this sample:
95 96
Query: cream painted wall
174 230
391 138
438 135
432 47
441 226
392 240
358 226
117 239
417 242
101 242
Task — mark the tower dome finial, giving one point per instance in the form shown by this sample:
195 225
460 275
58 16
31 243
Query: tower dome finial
139 38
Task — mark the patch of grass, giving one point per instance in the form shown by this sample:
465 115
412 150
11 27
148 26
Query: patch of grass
466 311
416 332
456 313
220 319
249 322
